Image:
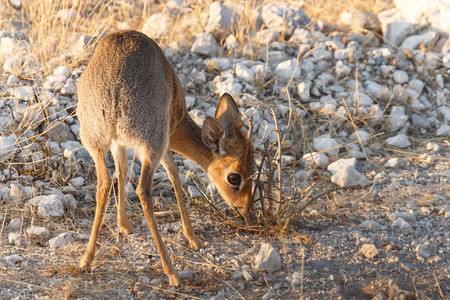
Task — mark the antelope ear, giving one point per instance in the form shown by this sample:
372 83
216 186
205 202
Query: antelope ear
213 135
227 113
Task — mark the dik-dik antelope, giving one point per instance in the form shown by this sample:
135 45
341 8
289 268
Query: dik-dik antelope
130 97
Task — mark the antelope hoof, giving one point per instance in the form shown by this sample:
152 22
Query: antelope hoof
125 227
195 243
174 279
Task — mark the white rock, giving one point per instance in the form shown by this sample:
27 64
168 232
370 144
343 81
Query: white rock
204 44
77 181
267 36
227 83
14 238
287 69
375 115
7 147
400 76
63 71
416 85
369 250
284 18
69 202
401 225
396 31
303 90
268 258
24 93
420 121
400 140
231 43
156 25
349 176
48 206
13 79
396 162
69 89
186 275
397 118
361 136
315 159
61 240
341 164
341 69
370 224
222 19
244 73
325 143
17 4
432 146
445 112
15 224
377 90
406 216
221 62
428 39
194 192
443 130
37 231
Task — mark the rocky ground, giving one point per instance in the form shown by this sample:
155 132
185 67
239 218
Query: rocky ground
354 110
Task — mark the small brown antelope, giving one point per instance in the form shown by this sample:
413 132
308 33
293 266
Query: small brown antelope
129 96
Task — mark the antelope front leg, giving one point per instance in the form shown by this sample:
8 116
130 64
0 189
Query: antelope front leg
103 185
174 177
144 192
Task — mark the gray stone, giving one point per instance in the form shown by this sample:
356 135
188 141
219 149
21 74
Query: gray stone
15 224
69 89
77 181
400 77
349 176
156 25
443 130
7 147
186 275
14 238
397 118
48 206
284 18
369 250
288 69
401 225
420 121
38 231
341 164
370 224
361 136
244 73
17 4
63 71
427 39
400 140
61 240
222 19
24 93
303 90
204 44
268 258
325 143
406 216
315 159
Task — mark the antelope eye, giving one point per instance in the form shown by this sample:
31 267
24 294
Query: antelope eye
234 179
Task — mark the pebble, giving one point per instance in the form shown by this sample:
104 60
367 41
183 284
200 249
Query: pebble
401 225
24 93
15 224
370 224
400 77
204 44
315 159
61 240
369 250
38 231
341 164
397 118
77 181
156 25
400 140
325 143
186 275
406 216
349 176
48 206
268 258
